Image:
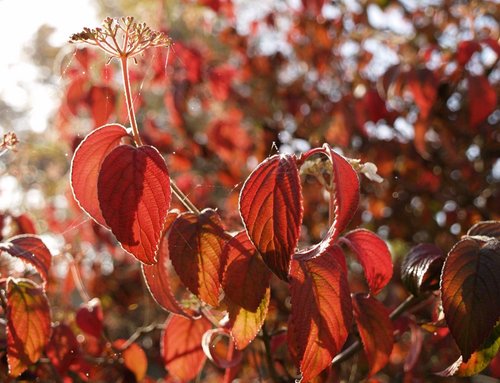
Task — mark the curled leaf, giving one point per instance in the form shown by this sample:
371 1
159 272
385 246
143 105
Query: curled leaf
469 292
421 268
486 228
223 355
271 208
134 195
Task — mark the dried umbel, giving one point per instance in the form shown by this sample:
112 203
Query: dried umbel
122 38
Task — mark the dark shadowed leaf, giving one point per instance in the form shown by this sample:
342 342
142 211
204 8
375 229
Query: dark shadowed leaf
195 245
181 346
375 329
482 100
63 349
246 277
134 358
486 228
158 277
86 164
374 255
469 292
271 209
321 312
32 250
28 324
421 268
134 195
89 318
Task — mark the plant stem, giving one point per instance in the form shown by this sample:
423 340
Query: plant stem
137 137
269 358
129 101
356 346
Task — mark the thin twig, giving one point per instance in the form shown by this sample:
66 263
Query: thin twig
269 357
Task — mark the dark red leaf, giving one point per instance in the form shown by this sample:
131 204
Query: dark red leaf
158 277
63 349
416 341
32 250
86 164
181 346
134 358
469 292
134 195
486 228
89 317
375 329
195 245
321 312
423 85
421 268
271 209
466 49
28 324
482 100
374 255
246 277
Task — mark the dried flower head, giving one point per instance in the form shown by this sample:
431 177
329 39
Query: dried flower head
122 38
9 141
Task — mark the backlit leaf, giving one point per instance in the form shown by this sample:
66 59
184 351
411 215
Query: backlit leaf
101 100
375 329
134 195
421 268
63 349
321 312
486 228
181 346
482 100
271 209
469 292
134 358
30 249
195 244
374 255
28 324
246 277
86 164
423 85
218 346
158 278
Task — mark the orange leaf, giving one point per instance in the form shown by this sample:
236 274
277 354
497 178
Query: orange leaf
181 346
195 244
375 329
28 324
134 358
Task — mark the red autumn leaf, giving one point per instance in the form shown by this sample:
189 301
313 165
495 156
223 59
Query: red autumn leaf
423 85
32 250
181 346
482 100
134 195
469 292
134 358
486 228
28 324
158 278
218 346
76 93
195 245
421 268
220 81
271 209
375 329
63 349
246 277
374 255
321 312
25 224
86 164
246 284
101 100
89 317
